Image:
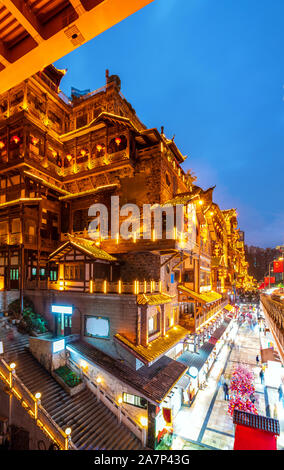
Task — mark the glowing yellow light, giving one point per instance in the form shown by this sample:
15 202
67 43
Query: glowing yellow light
12 365
119 287
38 395
153 235
200 202
83 364
119 401
144 421
105 287
91 286
117 238
99 380
68 431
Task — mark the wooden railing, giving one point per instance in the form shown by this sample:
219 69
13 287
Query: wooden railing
211 312
101 286
33 407
275 312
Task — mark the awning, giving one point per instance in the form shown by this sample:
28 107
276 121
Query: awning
154 299
269 354
255 432
205 297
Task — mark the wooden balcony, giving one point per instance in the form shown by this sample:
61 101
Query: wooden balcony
100 286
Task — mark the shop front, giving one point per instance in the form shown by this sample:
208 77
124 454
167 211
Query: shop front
165 415
200 364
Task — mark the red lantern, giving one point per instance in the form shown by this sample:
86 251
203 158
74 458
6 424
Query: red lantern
118 140
15 139
2 145
35 140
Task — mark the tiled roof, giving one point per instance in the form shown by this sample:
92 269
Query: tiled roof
98 189
87 246
183 198
251 420
154 299
205 297
157 347
153 382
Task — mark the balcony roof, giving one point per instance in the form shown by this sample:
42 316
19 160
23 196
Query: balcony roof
205 297
82 244
154 299
156 348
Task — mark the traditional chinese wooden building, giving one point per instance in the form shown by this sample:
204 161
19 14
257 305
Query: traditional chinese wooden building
135 300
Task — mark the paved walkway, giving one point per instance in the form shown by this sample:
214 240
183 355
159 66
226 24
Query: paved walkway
207 424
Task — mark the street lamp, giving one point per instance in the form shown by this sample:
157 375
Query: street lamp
37 402
269 271
11 372
144 424
67 437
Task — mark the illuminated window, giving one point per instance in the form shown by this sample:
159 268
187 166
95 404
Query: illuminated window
74 272
154 323
97 327
14 274
53 274
134 400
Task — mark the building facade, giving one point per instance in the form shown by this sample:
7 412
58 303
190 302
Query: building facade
131 307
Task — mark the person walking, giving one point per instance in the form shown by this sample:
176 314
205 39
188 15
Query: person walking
275 412
226 391
280 393
261 375
257 359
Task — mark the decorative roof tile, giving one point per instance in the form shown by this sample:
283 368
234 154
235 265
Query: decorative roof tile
87 246
157 347
154 299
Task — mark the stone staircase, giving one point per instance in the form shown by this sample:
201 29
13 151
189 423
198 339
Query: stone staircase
93 425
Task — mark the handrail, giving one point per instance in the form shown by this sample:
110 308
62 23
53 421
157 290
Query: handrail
111 403
42 418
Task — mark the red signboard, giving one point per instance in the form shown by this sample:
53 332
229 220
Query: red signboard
278 266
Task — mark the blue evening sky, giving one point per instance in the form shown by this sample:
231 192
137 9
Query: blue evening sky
211 72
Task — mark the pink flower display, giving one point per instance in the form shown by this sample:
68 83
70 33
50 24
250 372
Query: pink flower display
241 390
